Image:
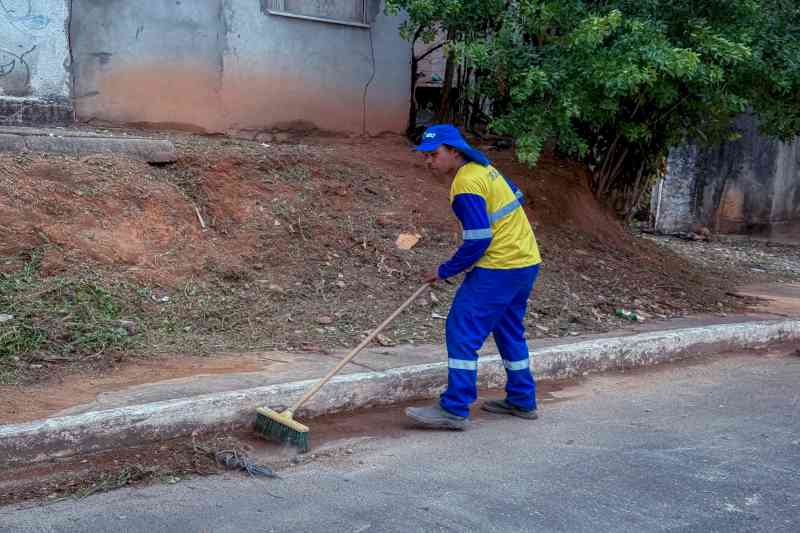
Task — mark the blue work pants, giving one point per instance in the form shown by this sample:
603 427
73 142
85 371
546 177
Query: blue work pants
489 301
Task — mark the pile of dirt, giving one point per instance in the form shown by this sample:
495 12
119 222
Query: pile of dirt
244 246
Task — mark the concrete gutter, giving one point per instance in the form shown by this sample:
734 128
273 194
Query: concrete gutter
81 143
140 424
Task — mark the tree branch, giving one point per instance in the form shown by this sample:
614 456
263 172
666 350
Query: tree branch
430 51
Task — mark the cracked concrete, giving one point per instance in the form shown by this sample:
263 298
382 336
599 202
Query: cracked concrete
83 143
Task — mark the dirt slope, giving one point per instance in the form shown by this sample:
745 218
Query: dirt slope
105 257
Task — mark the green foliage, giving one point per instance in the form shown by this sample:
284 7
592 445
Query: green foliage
70 317
618 82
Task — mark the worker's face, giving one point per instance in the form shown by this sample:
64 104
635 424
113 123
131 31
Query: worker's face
444 161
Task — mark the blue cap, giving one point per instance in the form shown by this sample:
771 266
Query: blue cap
448 135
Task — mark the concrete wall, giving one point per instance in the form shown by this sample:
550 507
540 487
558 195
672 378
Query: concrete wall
34 55
673 198
231 65
748 186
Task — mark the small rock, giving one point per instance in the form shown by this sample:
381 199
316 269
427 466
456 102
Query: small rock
6 318
276 288
325 320
383 340
542 328
341 284
37 366
348 452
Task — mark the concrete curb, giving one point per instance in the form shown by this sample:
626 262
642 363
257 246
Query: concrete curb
82 144
135 425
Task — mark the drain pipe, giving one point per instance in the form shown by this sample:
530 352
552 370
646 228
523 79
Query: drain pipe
365 6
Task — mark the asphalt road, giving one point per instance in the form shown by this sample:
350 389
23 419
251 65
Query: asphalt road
712 446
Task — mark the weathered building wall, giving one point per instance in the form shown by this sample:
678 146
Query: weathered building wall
34 60
233 65
747 186
673 198
155 62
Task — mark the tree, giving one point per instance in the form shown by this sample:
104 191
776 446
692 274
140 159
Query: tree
616 83
443 24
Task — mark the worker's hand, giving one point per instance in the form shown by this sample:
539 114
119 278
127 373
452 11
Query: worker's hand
432 277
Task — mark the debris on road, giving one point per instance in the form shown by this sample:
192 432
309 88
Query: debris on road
236 460
385 341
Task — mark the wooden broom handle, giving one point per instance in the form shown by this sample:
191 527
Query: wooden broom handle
349 357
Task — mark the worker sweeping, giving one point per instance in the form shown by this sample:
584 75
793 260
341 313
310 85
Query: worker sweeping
501 255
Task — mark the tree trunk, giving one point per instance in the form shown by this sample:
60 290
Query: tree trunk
447 88
412 109
475 105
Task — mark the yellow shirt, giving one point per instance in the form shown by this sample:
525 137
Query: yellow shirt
513 244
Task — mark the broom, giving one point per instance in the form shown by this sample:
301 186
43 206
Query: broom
281 426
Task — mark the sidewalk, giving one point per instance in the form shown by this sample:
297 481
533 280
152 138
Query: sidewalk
180 407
